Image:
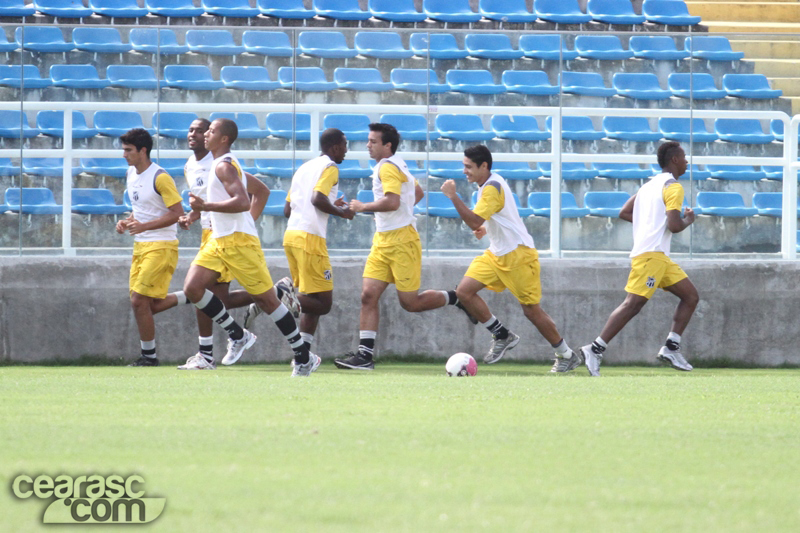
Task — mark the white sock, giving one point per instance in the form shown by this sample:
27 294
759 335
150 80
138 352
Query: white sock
182 299
601 342
307 337
148 346
562 350
674 337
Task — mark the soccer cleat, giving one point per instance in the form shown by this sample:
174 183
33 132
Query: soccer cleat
250 315
674 358
356 361
198 362
305 370
289 296
565 364
499 348
592 360
469 316
145 361
237 348
316 363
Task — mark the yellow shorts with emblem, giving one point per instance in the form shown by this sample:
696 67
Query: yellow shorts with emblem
396 257
650 271
309 264
224 277
152 267
241 255
517 271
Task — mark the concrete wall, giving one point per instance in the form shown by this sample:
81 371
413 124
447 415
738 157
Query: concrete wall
68 307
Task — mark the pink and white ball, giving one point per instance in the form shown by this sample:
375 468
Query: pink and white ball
461 364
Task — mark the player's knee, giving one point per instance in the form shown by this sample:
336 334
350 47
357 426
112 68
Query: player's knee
368 299
193 292
463 295
140 302
410 306
634 306
691 299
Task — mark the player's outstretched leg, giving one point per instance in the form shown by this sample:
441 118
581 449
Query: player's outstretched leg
670 353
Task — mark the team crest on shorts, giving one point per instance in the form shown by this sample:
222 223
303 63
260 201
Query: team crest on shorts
651 282
328 275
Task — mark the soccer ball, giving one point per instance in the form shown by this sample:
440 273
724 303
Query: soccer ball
461 364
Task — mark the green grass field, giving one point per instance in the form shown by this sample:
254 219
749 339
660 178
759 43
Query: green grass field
405 448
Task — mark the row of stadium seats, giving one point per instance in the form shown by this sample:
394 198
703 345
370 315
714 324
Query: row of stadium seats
673 12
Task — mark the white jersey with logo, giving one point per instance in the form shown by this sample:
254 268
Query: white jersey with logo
404 215
306 217
650 233
148 204
196 173
505 228
223 224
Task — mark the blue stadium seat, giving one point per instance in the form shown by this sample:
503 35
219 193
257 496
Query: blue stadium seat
560 11
352 169
635 129
118 8
436 204
462 128
212 42
411 127
458 11
126 200
185 200
699 86
132 76
736 172
768 204
773 172
46 166
285 9
365 196
115 167
395 10
473 82
447 169
523 211
230 8
437 45
546 47
248 78
381 45
325 44
361 79
693 171
42 38
540 203
724 204
354 125
95 202
52 123
577 128
305 79
247 123
10 125
506 11
173 8
6 45
267 43
173 124
279 168
151 40
678 129
35 201
13 75
516 170
528 82
285 125
174 167
7 168
668 12
193 77
585 83
275 203
340 10
77 77
621 171
518 128
16 8
569 171
102 40
742 130
754 86
417 80
490 46
639 85
62 8
601 47
656 47
605 203
713 48
776 127
613 12
116 123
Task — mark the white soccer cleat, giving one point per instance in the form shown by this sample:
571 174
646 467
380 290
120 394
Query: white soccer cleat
316 364
289 297
237 348
674 358
198 362
592 360
250 315
499 348
305 370
567 364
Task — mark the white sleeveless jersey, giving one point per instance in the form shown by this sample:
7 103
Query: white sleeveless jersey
223 224
505 228
196 173
306 217
404 215
148 204
650 233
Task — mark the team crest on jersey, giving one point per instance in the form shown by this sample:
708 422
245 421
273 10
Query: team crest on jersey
135 196
199 182
328 275
651 282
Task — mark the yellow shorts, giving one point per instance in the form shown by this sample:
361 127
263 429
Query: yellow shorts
224 277
517 271
240 254
650 271
152 267
399 263
309 264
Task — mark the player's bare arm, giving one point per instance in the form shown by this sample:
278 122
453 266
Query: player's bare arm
338 208
676 223
467 215
390 202
259 194
419 194
626 213
167 219
185 221
238 201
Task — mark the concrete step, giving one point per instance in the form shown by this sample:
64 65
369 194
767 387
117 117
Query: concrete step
789 86
746 11
751 27
777 68
740 2
782 49
795 104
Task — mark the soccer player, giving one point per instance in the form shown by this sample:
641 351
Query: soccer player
396 254
235 247
153 224
511 262
655 212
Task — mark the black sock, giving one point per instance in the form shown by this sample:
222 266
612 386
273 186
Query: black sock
214 308
672 345
596 348
150 354
452 299
207 352
288 327
366 348
499 331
